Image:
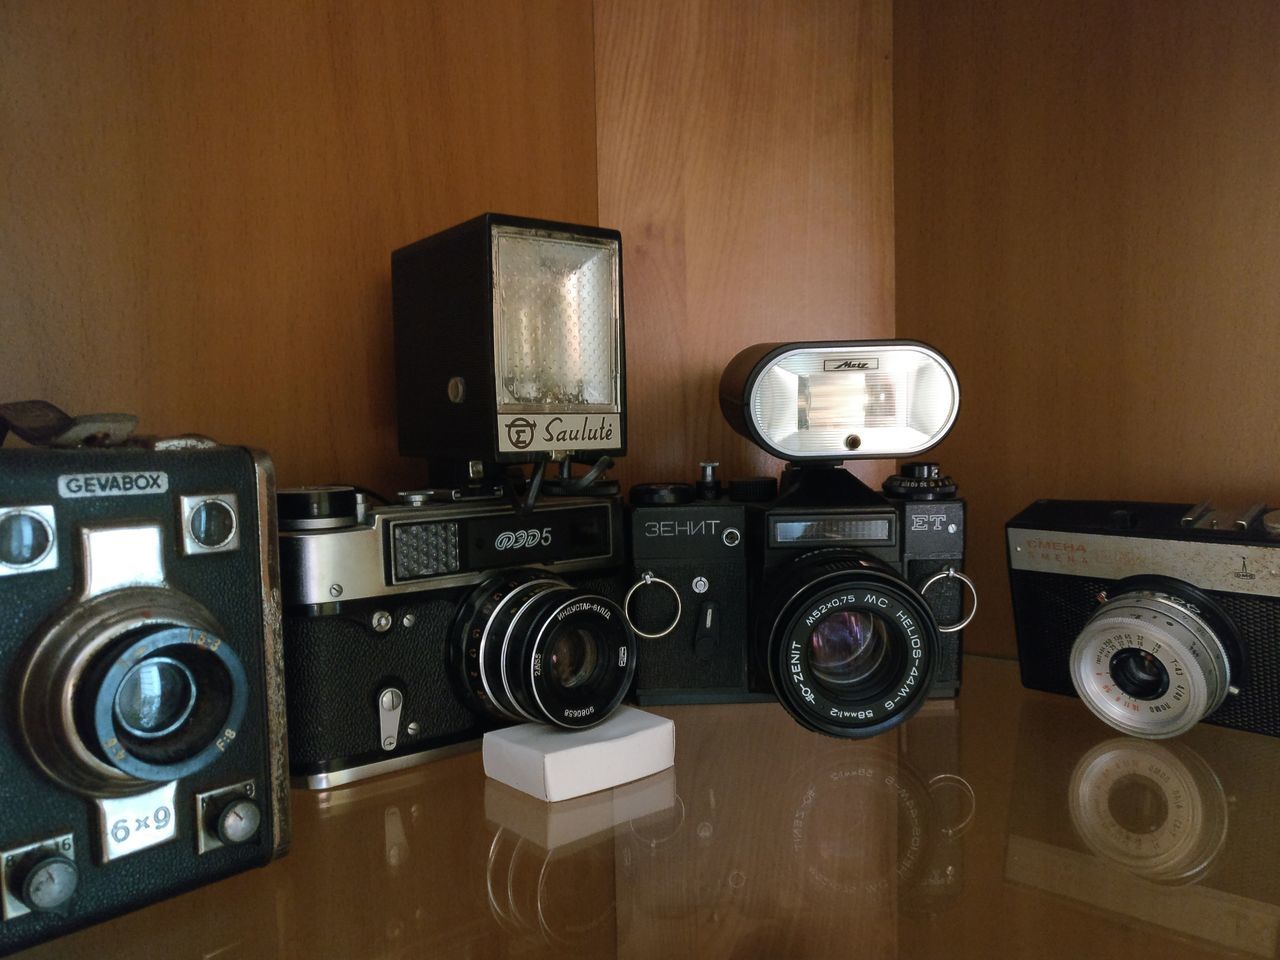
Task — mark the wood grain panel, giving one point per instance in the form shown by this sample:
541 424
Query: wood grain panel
201 200
744 151
1087 220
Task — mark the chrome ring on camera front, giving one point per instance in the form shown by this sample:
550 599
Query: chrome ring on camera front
973 591
648 578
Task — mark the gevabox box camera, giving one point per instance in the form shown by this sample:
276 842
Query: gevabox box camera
1157 615
143 748
416 627
842 602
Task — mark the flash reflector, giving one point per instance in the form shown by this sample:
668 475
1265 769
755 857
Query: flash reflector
841 400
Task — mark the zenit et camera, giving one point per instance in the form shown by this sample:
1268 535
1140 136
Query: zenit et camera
843 602
143 753
1157 615
414 627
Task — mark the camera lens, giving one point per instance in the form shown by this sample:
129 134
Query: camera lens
154 698
1139 674
845 647
162 698
849 645
134 686
527 646
1155 659
574 656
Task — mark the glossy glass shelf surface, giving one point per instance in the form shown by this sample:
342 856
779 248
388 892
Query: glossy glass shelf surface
1006 824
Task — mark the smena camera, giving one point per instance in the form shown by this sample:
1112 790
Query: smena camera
1157 615
842 602
143 752
414 627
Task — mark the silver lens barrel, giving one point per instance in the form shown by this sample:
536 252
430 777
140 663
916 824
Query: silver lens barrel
1150 665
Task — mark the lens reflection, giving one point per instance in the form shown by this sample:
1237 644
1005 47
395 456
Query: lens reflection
845 647
1138 804
574 656
155 697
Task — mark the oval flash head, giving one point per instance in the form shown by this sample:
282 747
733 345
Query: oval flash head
841 399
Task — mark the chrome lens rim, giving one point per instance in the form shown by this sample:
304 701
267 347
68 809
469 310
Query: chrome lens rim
1176 636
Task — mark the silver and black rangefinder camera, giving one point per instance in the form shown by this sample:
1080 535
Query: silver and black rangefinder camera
416 627
843 602
1157 615
143 748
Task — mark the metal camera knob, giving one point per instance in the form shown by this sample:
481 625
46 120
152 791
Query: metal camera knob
317 508
46 882
236 821
920 480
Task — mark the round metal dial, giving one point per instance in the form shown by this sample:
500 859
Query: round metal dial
238 821
49 884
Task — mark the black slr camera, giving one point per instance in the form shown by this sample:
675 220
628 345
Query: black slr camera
1157 615
843 603
413 628
143 752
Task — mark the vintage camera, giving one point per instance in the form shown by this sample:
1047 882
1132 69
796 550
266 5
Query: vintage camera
412 628
1157 615
143 749
842 602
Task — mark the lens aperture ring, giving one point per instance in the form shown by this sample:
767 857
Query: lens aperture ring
1175 640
